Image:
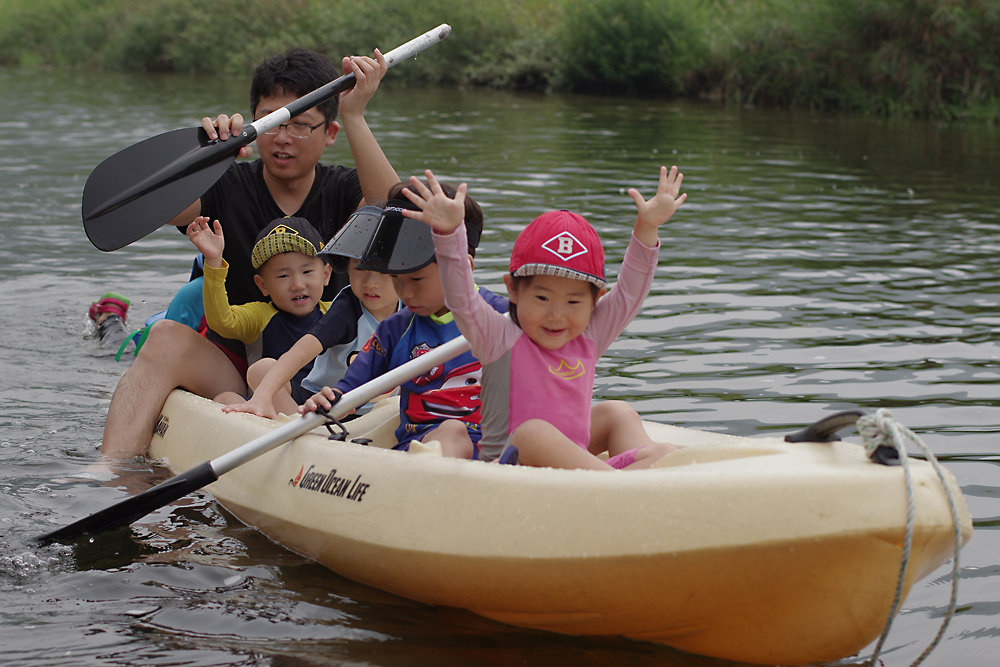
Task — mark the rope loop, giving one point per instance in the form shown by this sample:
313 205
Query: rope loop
878 429
882 430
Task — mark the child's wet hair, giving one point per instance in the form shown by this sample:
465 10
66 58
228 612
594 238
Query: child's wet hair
520 282
473 213
296 72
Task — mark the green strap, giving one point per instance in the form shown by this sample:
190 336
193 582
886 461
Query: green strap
139 337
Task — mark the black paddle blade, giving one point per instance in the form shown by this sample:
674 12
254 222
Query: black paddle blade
142 187
136 507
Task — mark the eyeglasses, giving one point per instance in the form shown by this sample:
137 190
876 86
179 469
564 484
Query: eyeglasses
296 130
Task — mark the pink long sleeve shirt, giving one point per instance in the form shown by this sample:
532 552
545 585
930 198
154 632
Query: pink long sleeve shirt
522 380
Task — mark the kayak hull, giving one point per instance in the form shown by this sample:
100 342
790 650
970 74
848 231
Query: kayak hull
748 549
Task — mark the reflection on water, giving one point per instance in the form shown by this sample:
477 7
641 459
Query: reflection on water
821 263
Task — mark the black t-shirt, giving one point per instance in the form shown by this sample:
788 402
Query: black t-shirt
339 325
241 202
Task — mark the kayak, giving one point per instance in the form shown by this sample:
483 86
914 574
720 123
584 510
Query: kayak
747 549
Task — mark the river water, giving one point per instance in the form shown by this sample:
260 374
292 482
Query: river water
821 263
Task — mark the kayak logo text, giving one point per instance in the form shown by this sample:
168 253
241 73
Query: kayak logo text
162 424
330 484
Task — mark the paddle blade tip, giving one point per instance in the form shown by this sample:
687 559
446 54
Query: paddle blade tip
142 187
59 535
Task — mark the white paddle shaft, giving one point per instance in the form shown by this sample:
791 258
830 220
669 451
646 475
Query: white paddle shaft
398 54
349 401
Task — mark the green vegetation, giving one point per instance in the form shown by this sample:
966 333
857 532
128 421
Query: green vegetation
927 58
930 58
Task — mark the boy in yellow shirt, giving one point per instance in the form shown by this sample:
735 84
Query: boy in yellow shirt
337 338
287 270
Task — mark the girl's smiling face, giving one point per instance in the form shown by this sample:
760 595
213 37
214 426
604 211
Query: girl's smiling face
552 310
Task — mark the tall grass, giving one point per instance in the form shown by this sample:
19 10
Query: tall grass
931 58
649 46
233 36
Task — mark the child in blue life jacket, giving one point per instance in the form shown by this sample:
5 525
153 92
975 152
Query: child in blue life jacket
443 404
338 336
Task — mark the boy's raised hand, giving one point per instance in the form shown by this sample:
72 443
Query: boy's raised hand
437 209
659 209
208 240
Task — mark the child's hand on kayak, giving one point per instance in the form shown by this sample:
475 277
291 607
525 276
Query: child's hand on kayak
260 408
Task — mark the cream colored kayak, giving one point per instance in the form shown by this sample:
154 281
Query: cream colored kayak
749 549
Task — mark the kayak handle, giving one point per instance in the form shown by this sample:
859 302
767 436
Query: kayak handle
825 430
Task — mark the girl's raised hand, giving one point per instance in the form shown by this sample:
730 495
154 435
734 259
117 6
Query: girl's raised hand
668 199
208 239
438 210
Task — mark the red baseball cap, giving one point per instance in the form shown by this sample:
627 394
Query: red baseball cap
559 243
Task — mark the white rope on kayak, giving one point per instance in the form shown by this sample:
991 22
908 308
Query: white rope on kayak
881 429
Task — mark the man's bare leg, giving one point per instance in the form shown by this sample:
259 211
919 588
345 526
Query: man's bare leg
229 398
173 356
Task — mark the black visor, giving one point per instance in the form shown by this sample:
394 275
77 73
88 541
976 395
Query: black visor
401 244
353 238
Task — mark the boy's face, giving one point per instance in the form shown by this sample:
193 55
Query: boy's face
421 291
552 310
374 290
288 158
294 281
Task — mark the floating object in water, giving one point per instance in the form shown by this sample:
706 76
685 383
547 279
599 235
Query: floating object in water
109 314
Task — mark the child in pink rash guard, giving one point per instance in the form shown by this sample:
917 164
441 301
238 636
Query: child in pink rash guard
538 364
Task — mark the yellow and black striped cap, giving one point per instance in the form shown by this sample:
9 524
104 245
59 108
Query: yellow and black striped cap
286 235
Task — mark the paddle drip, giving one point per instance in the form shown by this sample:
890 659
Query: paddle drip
881 431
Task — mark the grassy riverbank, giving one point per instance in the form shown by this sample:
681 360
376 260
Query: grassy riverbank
938 59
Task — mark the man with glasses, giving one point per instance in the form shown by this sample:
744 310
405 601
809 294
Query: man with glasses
286 180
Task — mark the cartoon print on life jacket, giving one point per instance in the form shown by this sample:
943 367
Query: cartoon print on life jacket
431 375
457 397
374 343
